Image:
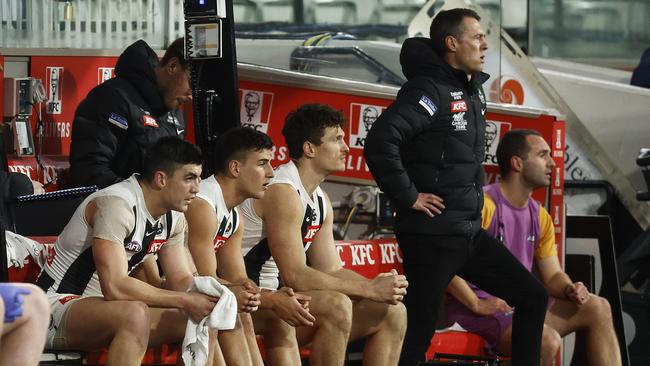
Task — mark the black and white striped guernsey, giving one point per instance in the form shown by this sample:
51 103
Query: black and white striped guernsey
260 266
70 269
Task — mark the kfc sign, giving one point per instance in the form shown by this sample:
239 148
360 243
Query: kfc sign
362 116
494 131
255 111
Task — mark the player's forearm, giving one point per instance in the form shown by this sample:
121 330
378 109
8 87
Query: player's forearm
557 283
459 289
311 279
204 259
131 289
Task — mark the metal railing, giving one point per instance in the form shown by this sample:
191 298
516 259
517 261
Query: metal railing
99 24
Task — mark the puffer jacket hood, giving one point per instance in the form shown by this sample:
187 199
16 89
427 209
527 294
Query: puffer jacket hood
419 59
141 75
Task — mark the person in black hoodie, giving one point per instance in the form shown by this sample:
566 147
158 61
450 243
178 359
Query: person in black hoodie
425 152
122 117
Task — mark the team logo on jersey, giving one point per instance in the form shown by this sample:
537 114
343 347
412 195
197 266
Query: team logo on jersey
105 73
458 106
494 131
255 109
481 96
459 122
362 117
133 246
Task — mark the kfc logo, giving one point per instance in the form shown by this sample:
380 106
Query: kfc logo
458 106
54 76
255 109
104 73
310 233
218 242
156 245
494 130
362 117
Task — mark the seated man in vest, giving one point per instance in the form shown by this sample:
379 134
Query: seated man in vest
526 229
94 302
288 235
242 170
26 316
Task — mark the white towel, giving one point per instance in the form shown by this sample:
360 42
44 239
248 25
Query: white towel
223 316
19 248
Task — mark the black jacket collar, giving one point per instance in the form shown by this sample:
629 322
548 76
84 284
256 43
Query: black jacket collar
419 59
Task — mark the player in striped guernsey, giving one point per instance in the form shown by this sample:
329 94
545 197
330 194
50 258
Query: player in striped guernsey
293 223
93 300
242 170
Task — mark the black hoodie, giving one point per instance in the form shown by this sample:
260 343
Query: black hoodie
119 120
431 140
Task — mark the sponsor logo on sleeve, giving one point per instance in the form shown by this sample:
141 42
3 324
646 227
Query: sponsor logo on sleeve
428 105
118 121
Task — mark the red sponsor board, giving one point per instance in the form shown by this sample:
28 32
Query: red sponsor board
67 80
272 103
370 257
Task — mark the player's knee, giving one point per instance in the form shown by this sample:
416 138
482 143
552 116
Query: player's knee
551 341
136 318
338 310
396 317
599 309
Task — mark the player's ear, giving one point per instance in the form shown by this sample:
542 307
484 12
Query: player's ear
234 166
516 163
308 149
159 179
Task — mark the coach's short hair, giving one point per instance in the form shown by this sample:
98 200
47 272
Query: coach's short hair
448 23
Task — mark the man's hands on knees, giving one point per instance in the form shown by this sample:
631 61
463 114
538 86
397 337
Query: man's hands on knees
389 287
248 296
491 306
292 307
197 305
429 203
576 292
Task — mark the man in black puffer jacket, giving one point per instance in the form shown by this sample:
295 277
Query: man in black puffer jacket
121 118
425 151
